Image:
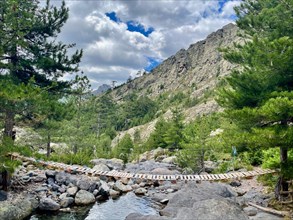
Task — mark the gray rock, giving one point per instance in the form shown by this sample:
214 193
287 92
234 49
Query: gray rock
121 187
18 209
140 191
93 186
256 197
250 211
95 192
148 166
54 186
212 209
192 193
113 193
38 179
101 167
112 164
67 201
47 204
104 188
50 173
63 195
26 178
72 179
50 180
62 177
170 190
137 216
3 195
171 159
265 216
40 189
210 166
235 183
83 197
163 171
62 189
72 191
83 183
135 186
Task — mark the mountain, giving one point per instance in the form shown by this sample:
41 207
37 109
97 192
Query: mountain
194 70
103 88
192 73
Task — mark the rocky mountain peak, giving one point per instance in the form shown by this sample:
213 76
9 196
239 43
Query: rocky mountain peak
193 70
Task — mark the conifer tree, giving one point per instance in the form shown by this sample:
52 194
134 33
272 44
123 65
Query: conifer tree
258 96
29 52
174 135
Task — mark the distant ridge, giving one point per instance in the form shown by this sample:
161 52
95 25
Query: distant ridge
103 88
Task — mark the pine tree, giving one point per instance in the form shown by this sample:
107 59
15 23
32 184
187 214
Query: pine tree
173 135
258 96
29 51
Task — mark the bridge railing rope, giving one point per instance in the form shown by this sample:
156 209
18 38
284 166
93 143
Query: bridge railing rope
114 173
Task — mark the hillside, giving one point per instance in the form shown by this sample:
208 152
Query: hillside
194 72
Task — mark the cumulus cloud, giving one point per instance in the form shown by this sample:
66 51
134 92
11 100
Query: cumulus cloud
114 52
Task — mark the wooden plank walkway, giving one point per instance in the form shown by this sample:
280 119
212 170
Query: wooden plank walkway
114 173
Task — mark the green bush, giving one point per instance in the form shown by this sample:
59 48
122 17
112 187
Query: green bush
124 148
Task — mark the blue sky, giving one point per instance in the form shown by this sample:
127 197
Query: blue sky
120 38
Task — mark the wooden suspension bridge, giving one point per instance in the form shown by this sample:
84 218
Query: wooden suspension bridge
76 169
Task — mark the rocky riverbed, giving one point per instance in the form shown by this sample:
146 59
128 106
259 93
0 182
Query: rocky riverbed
55 191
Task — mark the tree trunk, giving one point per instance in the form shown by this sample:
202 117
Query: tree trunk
4 180
284 186
75 149
8 125
48 145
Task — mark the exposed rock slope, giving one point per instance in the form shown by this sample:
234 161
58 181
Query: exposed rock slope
193 70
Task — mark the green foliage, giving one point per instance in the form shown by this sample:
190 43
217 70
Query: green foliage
173 135
196 142
7 146
258 95
82 158
124 148
156 138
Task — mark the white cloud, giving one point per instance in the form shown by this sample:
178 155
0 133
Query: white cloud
111 52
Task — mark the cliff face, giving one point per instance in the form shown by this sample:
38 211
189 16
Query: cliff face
193 70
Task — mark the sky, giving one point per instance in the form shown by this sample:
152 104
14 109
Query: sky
120 38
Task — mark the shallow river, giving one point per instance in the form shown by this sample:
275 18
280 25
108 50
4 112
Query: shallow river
116 209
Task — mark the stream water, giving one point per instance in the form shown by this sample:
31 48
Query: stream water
116 209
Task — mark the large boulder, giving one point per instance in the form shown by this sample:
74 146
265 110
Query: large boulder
212 209
18 209
192 193
83 197
112 164
47 204
101 167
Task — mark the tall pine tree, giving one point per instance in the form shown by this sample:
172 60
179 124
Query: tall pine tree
29 52
258 96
